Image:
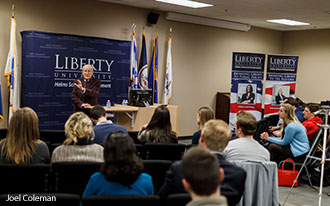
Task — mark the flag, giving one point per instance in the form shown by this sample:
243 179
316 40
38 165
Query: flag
168 77
11 71
152 83
133 65
143 65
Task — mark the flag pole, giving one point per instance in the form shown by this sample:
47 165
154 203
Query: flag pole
13 10
133 28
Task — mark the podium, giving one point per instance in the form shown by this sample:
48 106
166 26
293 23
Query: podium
133 118
222 107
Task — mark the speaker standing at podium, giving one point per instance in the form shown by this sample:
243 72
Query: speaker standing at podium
85 90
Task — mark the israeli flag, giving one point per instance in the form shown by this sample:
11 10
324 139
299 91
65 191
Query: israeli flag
133 64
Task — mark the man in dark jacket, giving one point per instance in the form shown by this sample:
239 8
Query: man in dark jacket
85 90
103 127
215 136
299 111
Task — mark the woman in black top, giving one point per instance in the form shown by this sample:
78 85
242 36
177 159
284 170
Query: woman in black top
279 97
249 96
159 129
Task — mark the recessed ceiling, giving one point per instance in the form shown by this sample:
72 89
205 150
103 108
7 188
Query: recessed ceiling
253 12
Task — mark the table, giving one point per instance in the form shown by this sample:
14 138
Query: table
133 118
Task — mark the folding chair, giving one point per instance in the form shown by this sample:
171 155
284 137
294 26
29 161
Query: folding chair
72 177
157 170
164 151
31 178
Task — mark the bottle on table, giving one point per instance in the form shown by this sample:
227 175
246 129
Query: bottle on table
108 104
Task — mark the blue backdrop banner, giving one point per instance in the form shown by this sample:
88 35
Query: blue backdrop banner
50 63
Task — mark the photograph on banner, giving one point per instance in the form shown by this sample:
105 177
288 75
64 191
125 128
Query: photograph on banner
279 93
246 85
246 93
241 97
280 81
55 61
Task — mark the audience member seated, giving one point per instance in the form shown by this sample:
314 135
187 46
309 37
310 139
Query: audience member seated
312 121
121 173
215 136
293 143
202 176
22 144
299 111
159 129
78 146
103 127
300 102
204 114
245 147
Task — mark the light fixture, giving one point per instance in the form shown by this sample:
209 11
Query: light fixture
207 21
187 3
288 22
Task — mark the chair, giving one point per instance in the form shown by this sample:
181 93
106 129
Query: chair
52 147
52 136
261 184
188 146
164 151
72 177
157 170
117 200
30 178
231 196
185 138
50 199
263 126
139 150
134 136
180 199
3 133
273 119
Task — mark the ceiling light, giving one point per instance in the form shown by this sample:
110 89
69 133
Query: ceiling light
288 22
187 3
207 21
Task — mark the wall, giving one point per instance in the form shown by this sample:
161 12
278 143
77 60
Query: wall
202 56
313 49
